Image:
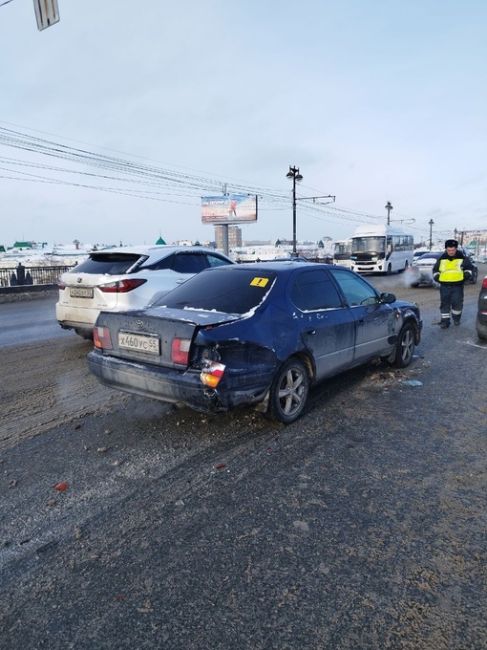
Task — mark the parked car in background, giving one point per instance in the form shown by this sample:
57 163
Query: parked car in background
482 311
254 334
418 252
475 272
126 278
421 271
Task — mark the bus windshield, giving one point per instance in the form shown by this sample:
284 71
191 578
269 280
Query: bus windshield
368 245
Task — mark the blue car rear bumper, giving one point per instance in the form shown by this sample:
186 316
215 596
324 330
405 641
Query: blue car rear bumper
177 386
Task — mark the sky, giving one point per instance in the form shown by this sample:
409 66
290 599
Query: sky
373 100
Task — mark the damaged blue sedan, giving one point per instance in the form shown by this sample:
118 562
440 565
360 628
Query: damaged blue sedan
253 334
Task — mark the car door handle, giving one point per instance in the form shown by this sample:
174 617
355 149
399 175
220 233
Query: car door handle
311 332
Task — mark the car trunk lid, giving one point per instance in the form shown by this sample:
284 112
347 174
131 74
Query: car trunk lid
83 290
159 336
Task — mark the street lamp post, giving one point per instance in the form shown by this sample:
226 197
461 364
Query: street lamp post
296 176
388 207
431 222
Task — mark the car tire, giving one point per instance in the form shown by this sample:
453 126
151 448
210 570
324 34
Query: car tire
389 269
473 279
289 392
481 331
405 346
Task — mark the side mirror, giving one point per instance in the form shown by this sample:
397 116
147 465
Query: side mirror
387 297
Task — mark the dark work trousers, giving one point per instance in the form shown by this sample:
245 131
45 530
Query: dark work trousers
451 296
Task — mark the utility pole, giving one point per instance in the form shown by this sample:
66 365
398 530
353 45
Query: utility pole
431 222
224 226
388 207
296 176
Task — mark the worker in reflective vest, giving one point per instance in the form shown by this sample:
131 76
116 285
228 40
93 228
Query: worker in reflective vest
451 270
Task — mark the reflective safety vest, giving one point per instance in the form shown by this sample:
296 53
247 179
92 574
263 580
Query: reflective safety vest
451 270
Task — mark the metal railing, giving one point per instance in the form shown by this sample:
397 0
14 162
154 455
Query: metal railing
19 275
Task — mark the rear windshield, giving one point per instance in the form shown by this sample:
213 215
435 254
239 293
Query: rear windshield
229 291
109 263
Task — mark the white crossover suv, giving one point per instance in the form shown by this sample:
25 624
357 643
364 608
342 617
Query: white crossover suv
118 279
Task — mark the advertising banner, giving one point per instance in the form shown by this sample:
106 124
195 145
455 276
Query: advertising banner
229 208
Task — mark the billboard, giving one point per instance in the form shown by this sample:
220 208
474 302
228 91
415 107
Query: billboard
228 208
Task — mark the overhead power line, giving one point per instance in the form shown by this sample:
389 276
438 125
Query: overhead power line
144 180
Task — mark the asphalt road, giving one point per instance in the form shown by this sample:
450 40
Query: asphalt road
30 320
127 524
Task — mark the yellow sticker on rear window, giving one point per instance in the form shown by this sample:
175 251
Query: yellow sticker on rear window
259 282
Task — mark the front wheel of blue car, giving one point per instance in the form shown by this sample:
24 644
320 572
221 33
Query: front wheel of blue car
289 392
405 346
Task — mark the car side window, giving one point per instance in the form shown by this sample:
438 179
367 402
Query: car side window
189 262
356 290
214 260
165 263
313 290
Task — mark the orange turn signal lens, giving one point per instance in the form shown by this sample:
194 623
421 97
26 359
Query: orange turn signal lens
211 375
102 338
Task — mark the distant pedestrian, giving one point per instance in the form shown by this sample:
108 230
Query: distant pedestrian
451 270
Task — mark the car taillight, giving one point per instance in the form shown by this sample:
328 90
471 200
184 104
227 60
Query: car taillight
121 286
102 338
180 351
212 374
484 283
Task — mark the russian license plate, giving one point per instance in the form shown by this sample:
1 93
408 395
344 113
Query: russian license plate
139 342
81 292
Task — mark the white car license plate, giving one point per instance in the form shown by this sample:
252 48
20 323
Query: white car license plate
81 292
138 342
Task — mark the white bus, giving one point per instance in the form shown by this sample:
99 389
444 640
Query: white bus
381 249
342 250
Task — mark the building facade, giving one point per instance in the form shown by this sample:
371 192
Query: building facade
234 237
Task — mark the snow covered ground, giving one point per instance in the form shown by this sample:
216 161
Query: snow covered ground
50 255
